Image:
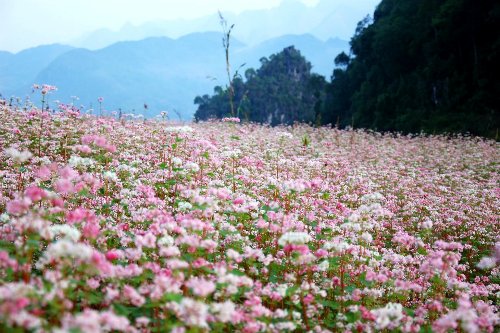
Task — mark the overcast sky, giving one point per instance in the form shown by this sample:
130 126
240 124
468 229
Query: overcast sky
27 23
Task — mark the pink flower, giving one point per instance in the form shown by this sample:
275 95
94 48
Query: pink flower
18 207
35 193
200 286
76 215
64 186
91 230
113 255
131 294
308 299
43 173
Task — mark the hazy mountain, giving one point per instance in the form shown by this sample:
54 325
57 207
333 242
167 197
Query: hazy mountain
328 19
164 73
20 69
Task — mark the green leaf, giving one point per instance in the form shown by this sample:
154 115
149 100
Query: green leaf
291 290
331 304
171 297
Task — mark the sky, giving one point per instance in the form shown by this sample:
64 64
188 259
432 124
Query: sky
28 23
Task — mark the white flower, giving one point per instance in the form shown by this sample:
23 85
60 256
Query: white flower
76 161
179 129
110 175
4 217
66 231
18 156
427 224
65 248
224 311
285 326
166 240
235 153
390 315
176 161
185 206
372 198
283 135
193 313
367 237
323 266
294 238
338 246
486 263
192 166
281 289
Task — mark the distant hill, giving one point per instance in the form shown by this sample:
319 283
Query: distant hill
328 19
20 69
164 73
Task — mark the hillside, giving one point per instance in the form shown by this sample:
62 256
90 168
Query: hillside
164 73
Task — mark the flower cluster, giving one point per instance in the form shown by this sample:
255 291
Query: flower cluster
132 226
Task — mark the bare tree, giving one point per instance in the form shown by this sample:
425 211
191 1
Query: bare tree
226 42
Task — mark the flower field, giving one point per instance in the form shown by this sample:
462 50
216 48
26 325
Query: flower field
151 226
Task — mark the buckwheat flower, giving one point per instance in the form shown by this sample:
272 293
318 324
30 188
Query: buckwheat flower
65 231
231 120
176 161
284 135
389 316
64 186
111 176
35 193
193 313
148 240
200 286
323 266
4 218
285 326
166 240
77 161
372 198
234 255
426 224
224 311
179 129
133 296
65 248
235 153
294 238
191 166
184 206
18 156
169 251
487 263
367 237
18 207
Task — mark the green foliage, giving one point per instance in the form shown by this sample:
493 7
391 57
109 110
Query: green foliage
428 66
421 66
281 91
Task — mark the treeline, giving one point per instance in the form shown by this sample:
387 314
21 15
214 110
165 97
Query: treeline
417 65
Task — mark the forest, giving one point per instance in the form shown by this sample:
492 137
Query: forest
414 66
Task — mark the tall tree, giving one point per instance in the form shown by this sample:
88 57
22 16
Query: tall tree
421 65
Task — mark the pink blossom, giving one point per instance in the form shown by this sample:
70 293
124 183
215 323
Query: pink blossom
35 193
18 207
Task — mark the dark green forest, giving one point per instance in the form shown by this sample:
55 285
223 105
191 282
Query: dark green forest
416 66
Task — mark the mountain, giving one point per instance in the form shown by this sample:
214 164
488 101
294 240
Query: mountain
162 72
328 19
20 69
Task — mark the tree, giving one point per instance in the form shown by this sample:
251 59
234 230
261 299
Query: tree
282 90
427 65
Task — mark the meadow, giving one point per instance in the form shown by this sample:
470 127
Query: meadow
136 225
